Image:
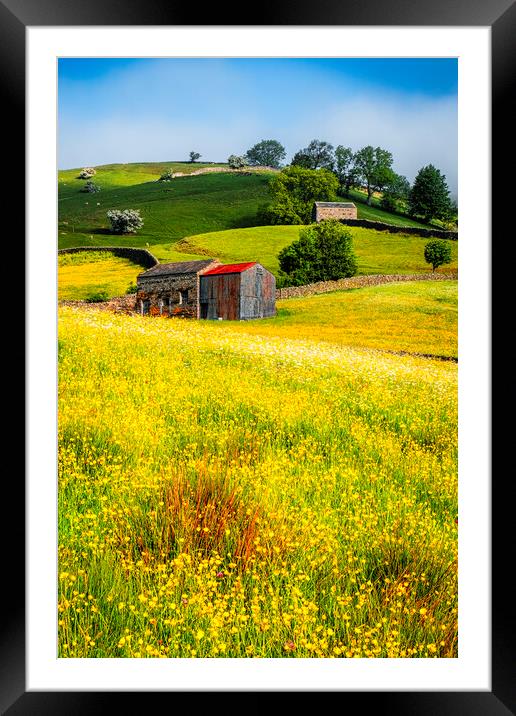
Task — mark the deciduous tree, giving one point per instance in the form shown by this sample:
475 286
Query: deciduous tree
437 253
268 152
317 155
294 191
373 167
323 252
126 221
345 168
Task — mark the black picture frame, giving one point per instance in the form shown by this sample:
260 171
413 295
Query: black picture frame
500 16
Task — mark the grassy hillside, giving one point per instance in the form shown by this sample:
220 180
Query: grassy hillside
377 251
247 496
376 213
414 317
114 175
171 210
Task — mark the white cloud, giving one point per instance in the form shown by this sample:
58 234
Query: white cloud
417 131
162 111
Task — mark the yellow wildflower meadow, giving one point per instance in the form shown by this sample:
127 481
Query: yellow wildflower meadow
236 495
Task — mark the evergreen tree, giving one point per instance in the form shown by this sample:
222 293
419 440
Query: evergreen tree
430 196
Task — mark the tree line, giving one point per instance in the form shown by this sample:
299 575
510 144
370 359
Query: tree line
370 168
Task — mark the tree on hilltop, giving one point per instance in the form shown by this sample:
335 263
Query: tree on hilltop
317 155
268 152
237 162
194 156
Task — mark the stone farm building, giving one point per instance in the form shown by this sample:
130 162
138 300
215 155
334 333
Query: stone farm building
334 210
207 289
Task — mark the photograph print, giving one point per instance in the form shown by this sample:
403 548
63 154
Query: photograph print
258 358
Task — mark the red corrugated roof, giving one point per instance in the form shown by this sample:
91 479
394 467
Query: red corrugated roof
229 268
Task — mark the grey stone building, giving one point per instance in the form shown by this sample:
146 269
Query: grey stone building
207 289
334 210
171 289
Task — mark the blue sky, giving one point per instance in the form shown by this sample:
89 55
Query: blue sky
130 110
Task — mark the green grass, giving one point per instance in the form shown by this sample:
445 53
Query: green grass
171 210
377 251
375 213
418 317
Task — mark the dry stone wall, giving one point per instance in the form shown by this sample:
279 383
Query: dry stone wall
411 230
140 256
360 282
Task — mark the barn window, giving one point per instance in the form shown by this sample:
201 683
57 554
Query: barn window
259 270
183 297
144 307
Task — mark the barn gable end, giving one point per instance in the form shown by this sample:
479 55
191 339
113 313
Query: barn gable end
333 210
237 292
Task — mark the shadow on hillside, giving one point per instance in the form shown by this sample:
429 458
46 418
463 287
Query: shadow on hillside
244 222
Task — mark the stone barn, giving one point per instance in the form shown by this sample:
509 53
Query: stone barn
207 289
237 292
334 210
171 289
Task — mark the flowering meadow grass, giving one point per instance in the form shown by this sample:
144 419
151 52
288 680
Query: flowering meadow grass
84 273
413 317
224 494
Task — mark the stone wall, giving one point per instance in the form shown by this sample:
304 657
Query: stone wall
224 170
164 298
360 282
139 256
335 212
412 231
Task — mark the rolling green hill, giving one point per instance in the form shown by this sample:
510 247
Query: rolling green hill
378 252
171 210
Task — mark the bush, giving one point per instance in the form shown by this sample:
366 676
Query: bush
126 221
236 162
167 175
437 253
323 252
132 288
87 173
98 297
90 187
